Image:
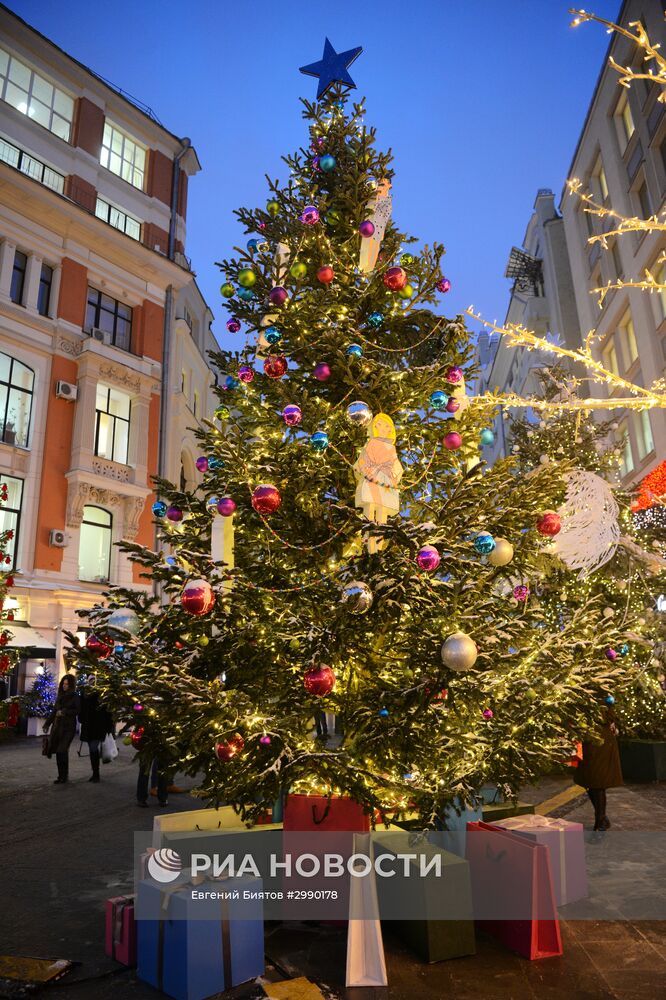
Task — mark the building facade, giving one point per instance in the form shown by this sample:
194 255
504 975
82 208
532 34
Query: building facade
99 316
542 300
621 159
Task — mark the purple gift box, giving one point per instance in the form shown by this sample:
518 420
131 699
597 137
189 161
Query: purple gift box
566 846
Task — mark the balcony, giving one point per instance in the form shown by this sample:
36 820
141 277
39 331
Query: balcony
40 172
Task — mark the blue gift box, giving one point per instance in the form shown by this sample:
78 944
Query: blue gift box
192 957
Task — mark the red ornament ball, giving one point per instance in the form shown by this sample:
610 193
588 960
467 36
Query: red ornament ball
198 597
266 499
549 524
100 647
454 375
395 278
322 371
5 663
226 750
275 366
325 274
319 681
452 441
136 736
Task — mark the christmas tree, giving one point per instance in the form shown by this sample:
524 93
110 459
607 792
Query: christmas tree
39 701
347 552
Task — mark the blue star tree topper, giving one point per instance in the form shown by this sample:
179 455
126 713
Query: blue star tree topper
332 67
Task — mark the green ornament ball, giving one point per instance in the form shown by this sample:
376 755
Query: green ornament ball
203 641
333 217
327 163
406 259
246 277
273 207
227 290
406 291
294 644
298 270
222 413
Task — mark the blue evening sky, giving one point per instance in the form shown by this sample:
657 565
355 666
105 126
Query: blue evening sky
482 102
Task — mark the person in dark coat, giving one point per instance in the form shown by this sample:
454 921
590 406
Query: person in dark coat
600 769
62 725
96 721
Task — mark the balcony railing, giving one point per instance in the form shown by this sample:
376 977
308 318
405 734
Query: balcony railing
20 160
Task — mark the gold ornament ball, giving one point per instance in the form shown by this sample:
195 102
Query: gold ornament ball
459 651
357 597
273 207
502 553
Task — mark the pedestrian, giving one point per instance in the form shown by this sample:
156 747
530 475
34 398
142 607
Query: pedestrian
600 769
62 725
158 778
96 722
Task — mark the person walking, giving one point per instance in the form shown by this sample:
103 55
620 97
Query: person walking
600 769
154 774
61 725
96 721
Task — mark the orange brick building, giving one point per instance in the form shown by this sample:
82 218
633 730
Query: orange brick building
93 281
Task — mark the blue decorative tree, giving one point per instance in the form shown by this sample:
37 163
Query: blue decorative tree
41 698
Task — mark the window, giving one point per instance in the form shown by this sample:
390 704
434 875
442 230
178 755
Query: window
610 358
617 260
17 158
183 382
44 293
600 176
628 340
122 156
195 404
10 515
660 296
112 423
16 384
95 545
627 456
662 150
34 96
643 200
625 122
119 220
644 439
18 278
114 318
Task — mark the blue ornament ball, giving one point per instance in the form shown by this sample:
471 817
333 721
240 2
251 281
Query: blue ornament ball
610 700
484 543
383 713
438 399
252 244
273 335
246 294
354 351
327 163
211 504
486 436
159 508
375 319
214 463
231 382
319 441
624 649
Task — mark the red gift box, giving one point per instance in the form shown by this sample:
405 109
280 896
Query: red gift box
303 813
120 939
513 886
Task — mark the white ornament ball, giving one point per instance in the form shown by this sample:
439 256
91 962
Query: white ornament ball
516 447
125 619
357 597
544 459
359 413
502 553
608 612
614 426
459 651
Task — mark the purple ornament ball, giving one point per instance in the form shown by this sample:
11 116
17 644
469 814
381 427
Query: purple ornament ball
487 713
444 285
202 463
265 741
174 514
366 228
322 371
226 506
310 215
245 373
611 654
454 375
521 592
233 325
278 296
428 558
292 415
453 405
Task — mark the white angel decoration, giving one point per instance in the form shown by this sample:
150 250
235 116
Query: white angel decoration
379 213
378 474
590 532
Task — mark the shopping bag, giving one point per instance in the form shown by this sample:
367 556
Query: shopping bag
109 750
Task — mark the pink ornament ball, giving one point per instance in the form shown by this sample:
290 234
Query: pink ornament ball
310 215
226 506
322 371
521 592
266 499
454 375
245 373
428 558
452 441
444 285
612 654
233 325
395 278
319 681
292 415
265 741
198 597
275 366
366 228
202 463
174 514
261 225
278 295
453 405
488 713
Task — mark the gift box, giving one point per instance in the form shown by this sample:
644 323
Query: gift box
303 813
120 936
224 818
209 842
432 939
566 846
512 890
191 958
493 812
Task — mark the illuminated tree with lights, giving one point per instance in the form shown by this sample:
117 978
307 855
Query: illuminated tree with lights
347 553
8 657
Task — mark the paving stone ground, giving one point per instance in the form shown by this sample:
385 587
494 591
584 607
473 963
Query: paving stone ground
66 849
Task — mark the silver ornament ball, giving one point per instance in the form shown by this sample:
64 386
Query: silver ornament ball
459 652
359 413
502 553
357 597
125 619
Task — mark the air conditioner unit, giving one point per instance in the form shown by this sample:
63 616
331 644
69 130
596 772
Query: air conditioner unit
57 538
103 336
66 390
